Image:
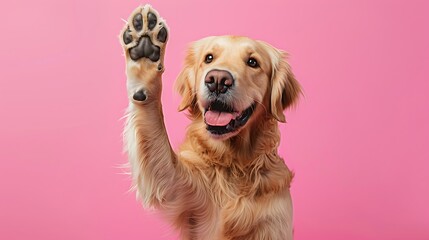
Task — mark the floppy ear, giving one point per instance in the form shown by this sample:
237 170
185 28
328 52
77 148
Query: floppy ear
285 89
185 82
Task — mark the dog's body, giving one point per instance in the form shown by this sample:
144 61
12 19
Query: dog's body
227 180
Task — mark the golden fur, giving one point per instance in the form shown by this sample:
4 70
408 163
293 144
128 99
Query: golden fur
234 186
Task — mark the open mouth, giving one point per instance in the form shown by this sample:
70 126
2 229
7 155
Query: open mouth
221 118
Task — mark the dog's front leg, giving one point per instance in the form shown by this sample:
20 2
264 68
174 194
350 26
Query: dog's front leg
150 155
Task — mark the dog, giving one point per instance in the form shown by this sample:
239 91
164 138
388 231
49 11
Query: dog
226 181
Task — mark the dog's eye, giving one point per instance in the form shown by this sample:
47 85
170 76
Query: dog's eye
209 58
252 63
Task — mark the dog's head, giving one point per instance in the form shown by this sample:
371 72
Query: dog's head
232 81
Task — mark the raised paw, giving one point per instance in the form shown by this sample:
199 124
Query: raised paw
145 35
144 38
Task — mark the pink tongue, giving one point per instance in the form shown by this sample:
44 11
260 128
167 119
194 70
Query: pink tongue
215 118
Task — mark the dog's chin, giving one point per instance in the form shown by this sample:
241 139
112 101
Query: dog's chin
223 121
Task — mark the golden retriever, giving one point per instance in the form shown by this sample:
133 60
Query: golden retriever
226 181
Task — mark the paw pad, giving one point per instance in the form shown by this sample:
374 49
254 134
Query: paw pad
138 22
127 36
139 96
152 19
162 35
145 48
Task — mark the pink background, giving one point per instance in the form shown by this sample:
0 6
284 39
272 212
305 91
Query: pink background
358 142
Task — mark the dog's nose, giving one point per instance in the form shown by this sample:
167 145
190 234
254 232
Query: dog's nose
219 81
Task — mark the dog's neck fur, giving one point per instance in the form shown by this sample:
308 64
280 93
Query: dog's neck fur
257 139
250 157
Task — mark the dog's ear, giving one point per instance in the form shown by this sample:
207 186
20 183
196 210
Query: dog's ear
285 89
185 82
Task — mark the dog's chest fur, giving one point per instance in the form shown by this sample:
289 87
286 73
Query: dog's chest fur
233 190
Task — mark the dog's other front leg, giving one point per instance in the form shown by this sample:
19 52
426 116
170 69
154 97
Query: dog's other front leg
150 155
